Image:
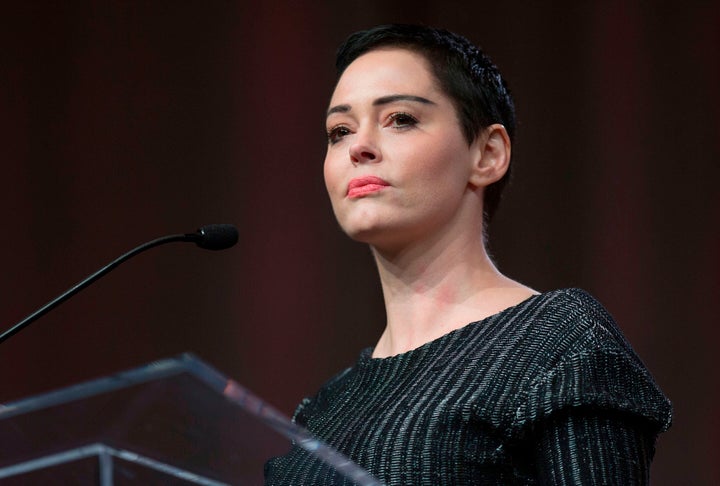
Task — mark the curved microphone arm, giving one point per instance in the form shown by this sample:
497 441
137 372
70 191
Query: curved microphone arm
212 237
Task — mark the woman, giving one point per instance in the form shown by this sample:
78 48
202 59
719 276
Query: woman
476 379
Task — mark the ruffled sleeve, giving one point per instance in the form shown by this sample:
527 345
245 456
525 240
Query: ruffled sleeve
604 379
594 412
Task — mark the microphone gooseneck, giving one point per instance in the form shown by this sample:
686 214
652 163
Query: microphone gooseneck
210 237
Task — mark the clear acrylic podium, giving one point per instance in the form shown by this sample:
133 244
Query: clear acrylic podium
172 422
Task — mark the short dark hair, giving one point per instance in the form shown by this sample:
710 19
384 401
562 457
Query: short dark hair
475 85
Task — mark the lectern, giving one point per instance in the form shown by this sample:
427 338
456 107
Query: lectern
172 422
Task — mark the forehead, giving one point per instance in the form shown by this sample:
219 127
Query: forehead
383 71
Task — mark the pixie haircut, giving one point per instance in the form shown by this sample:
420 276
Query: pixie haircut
471 80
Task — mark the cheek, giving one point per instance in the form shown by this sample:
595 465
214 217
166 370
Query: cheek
442 179
331 176
441 164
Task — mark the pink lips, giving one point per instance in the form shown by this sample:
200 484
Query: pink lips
362 186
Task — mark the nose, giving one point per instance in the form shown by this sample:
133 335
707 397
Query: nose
364 149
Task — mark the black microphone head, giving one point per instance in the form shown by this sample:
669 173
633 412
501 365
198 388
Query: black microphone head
216 236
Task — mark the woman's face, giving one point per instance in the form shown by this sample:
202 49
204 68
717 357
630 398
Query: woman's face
397 163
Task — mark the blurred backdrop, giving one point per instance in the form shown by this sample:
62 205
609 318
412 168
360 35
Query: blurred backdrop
124 121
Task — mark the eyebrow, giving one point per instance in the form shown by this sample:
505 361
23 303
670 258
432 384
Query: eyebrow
384 100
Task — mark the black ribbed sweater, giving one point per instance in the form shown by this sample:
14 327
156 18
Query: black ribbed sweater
545 392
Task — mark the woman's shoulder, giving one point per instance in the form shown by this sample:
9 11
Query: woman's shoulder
322 398
571 318
566 325
570 303
585 360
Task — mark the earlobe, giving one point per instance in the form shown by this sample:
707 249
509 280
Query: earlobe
492 156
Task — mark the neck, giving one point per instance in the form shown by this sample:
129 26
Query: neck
438 286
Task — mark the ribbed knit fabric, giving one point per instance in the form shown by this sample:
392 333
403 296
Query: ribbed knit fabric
545 392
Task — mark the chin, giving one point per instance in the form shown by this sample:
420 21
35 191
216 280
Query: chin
380 240
379 231
362 235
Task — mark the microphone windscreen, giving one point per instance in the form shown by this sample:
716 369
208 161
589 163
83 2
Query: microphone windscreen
217 236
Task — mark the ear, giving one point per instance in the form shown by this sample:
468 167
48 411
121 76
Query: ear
492 156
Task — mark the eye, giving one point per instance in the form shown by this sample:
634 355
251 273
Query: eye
402 120
336 133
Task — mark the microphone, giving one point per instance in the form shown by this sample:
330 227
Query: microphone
210 237
215 236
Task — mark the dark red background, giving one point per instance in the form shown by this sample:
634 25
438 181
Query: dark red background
124 121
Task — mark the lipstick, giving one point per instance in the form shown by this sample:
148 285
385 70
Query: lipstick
362 186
